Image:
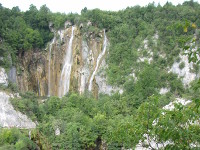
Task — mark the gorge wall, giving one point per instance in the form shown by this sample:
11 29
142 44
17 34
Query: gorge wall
75 61
44 71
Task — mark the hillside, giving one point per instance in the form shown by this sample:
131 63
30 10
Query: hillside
101 79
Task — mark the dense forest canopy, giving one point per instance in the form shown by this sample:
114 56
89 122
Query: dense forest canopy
121 120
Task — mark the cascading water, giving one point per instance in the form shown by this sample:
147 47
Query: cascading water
85 72
98 61
66 70
49 69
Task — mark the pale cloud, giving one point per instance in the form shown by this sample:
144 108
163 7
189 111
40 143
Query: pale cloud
77 5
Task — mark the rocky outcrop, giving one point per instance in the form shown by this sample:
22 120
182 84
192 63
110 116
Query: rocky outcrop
3 77
10 117
101 80
32 72
164 90
186 72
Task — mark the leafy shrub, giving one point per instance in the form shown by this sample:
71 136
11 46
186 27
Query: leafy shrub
28 104
178 59
13 87
15 139
181 65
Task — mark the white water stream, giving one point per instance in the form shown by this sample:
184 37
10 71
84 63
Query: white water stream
66 70
49 69
98 61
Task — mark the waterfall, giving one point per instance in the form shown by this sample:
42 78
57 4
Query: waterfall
66 70
49 69
85 72
98 60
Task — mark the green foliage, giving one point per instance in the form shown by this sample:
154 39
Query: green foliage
5 53
120 120
139 23
181 65
28 104
178 126
24 31
13 87
84 122
15 139
178 59
58 20
149 81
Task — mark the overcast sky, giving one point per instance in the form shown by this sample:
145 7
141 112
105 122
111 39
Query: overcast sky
77 5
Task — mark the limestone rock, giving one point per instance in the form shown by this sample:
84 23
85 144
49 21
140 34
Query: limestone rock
3 77
57 131
164 90
51 26
89 23
181 101
81 25
101 80
186 73
10 117
67 24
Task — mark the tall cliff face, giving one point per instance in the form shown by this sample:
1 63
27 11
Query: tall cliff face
41 71
76 61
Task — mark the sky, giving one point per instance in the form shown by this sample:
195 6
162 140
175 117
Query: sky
67 6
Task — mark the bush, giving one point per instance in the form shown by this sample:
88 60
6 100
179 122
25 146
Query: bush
28 104
15 139
13 87
178 59
181 65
